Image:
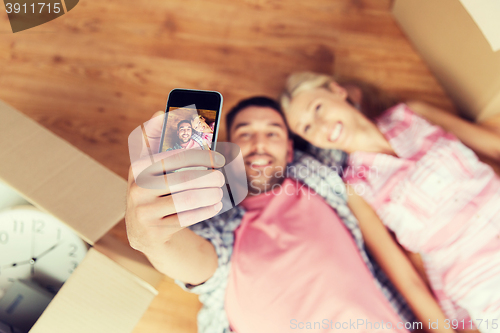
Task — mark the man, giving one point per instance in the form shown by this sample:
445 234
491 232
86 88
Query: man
187 139
281 259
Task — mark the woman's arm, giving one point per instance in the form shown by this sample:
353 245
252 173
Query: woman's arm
482 140
418 264
396 265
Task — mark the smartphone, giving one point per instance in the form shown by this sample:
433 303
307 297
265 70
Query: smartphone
191 120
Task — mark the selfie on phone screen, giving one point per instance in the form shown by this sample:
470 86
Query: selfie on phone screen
193 125
189 129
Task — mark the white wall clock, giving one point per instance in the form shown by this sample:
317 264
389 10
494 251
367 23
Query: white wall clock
37 248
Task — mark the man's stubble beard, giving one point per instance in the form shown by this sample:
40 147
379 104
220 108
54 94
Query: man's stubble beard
182 140
264 183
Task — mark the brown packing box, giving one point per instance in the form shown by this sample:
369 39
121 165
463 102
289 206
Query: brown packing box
114 285
456 50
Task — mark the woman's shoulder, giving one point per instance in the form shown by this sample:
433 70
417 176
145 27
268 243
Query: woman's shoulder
400 121
400 114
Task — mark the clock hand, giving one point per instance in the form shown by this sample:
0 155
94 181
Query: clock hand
32 260
33 240
17 264
47 251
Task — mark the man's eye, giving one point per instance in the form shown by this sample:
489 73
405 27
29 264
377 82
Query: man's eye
272 134
307 128
317 107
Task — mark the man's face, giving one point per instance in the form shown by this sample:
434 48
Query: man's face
184 132
262 136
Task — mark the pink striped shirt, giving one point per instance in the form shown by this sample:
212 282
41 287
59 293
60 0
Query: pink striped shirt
441 202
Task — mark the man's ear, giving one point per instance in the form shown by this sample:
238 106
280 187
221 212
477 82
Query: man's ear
338 90
289 155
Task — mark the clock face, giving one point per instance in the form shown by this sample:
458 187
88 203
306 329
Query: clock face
36 246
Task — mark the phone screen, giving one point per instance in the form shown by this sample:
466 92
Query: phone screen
191 120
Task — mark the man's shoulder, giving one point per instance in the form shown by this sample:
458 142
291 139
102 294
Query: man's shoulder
224 222
317 158
324 178
305 160
174 147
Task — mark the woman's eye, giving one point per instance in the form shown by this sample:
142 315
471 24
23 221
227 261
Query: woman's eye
307 128
317 107
271 134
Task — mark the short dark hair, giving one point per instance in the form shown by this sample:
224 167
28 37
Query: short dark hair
259 101
183 121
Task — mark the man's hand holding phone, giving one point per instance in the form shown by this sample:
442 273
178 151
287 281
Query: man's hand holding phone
166 201
161 203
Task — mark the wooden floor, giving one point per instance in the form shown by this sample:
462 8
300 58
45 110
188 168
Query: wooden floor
96 73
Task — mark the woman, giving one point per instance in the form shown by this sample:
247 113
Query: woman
440 201
207 131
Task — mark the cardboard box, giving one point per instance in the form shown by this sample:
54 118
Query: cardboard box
114 285
456 51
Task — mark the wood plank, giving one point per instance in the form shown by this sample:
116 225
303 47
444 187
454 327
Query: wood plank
96 73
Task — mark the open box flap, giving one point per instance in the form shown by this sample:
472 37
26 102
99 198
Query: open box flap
58 178
100 296
457 52
129 258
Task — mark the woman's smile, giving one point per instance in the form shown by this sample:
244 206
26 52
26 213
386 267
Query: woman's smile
336 132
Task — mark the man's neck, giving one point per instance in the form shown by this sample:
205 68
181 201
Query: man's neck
184 145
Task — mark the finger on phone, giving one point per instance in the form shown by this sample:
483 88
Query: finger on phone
169 161
151 133
190 217
181 181
154 126
144 140
184 158
188 200
158 113
193 179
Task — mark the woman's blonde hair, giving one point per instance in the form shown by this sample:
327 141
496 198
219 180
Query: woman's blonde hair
196 116
303 81
374 101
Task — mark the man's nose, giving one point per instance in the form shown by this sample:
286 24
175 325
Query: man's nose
259 143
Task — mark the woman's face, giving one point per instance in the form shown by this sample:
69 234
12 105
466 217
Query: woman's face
325 118
199 124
